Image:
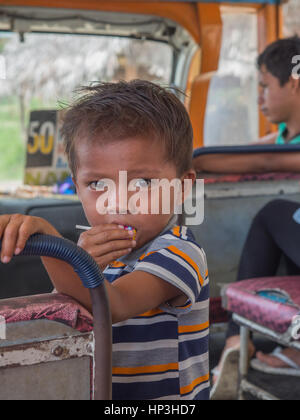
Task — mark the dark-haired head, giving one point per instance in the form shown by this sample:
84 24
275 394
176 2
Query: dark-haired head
278 58
109 112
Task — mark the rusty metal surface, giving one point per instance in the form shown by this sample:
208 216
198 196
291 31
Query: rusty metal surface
62 380
37 330
45 360
46 351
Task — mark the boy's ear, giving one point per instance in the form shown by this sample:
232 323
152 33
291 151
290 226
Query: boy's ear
295 83
186 187
190 174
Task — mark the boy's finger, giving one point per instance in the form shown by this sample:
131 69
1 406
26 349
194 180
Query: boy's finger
9 239
25 231
95 230
87 241
112 235
110 247
4 220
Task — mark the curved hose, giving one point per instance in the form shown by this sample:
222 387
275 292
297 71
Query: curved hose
92 278
65 250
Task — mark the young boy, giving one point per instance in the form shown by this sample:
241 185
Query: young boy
279 101
157 282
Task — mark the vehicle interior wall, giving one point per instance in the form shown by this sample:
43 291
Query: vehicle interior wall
227 217
25 276
231 206
229 211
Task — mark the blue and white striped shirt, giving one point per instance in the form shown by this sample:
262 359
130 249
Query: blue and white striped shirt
163 354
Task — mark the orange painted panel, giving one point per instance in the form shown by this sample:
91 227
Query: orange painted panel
211 40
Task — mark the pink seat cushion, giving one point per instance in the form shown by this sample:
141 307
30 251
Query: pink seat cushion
242 299
54 307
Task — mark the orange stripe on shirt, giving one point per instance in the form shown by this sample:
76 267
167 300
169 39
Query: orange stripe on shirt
117 264
146 255
176 231
189 388
192 328
152 312
188 260
186 306
144 369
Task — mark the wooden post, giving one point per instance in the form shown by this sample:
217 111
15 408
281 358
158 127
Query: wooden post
210 26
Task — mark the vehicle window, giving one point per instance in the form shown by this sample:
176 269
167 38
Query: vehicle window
39 70
291 12
232 112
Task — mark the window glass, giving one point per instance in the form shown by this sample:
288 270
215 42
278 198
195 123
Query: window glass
232 111
37 71
291 12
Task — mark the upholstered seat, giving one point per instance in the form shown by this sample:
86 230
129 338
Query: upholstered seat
53 307
271 302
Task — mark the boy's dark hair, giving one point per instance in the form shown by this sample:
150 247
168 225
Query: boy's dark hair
116 111
278 57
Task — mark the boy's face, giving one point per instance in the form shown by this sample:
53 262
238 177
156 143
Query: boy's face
276 101
143 160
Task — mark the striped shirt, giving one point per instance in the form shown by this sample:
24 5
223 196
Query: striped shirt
163 354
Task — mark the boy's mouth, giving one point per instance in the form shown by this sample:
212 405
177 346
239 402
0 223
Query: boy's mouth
130 228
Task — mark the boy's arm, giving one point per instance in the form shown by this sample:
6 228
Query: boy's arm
230 163
237 164
129 296
250 163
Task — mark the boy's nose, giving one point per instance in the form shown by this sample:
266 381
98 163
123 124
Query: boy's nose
121 201
111 202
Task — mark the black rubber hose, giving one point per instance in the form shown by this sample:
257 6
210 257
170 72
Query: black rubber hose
92 278
263 148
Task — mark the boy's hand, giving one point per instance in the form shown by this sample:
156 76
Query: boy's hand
107 243
15 230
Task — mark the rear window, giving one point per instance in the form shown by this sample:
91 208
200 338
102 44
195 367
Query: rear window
37 71
232 111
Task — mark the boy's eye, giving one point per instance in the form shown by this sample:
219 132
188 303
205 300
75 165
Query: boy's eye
142 183
98 185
